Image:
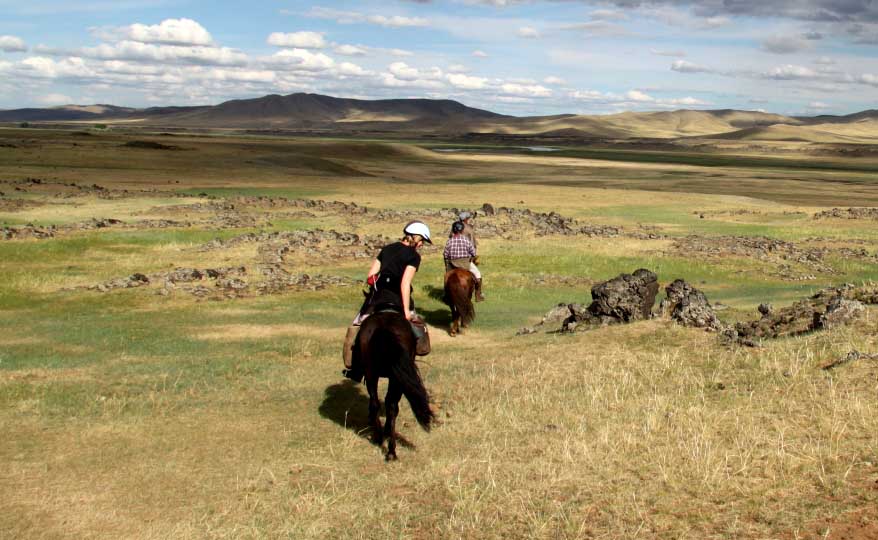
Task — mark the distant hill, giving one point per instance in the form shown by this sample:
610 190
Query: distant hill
315 112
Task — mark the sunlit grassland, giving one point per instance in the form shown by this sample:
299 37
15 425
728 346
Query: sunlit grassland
130 414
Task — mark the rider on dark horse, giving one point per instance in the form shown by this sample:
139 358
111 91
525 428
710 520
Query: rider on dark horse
390 278
467 232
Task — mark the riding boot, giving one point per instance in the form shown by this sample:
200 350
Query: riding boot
479 296
351 371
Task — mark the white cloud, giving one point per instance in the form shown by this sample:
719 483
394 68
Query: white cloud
352 70
401 52
133 50
553 80
785 44
48 68
672 53
404 72
353 17
635 99
598 28
391 81
51 100
480 54
466 82
457 68
790 72
301 59
169 32
528 32
350 50
684 66
298 40
607 15
637 95
523 90
12 44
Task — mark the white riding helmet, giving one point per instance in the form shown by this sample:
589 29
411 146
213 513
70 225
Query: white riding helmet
419 228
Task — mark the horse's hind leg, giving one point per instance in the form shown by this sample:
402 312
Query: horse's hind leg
391 408
374 407
455 322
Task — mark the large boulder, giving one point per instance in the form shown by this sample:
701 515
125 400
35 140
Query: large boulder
623 299
688 306
626 298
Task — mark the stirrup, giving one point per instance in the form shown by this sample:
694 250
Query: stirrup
353 374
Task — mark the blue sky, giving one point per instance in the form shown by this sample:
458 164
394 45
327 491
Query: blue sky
523 57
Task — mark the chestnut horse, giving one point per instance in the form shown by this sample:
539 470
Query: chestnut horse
459 287
385 347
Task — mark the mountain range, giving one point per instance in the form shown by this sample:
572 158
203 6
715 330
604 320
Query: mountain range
319 113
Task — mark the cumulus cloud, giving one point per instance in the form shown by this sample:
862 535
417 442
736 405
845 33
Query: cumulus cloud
297 40
528 32
12 44
349 50
598 28
684 66
480 54
790 72
672 53
54 99
168 32
634 99
148 52
525 90
300 59
607 15
466 82
354 17
785 44
553 80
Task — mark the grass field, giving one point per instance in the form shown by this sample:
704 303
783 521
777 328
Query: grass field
151 413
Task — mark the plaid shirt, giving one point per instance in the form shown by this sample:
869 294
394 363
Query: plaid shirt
459 247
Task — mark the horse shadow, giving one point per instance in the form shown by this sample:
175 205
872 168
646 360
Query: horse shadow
348 406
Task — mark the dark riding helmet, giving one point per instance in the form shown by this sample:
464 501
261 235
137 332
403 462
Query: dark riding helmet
457 227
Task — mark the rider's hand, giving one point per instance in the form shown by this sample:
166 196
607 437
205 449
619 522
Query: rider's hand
476 260
408 315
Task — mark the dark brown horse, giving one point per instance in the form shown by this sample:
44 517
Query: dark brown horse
459 287
385 347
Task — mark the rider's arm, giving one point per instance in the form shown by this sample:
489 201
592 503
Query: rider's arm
376 266
406 289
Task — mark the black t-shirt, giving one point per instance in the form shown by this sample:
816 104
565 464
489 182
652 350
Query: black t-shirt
394 258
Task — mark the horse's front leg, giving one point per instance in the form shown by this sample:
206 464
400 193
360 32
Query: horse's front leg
455 322
391 408
374 407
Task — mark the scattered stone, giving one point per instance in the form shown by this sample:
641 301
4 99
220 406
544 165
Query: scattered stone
827 308
765 309
848 213
689 307
849 357
554 316
770 250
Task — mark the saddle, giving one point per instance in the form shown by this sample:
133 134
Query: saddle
419 328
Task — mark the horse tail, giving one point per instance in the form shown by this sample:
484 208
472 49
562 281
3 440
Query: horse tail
461 296
408 376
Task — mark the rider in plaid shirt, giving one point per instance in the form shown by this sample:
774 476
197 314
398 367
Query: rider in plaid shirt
459 253
459 247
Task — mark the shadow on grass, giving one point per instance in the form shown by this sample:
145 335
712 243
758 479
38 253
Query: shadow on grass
348 406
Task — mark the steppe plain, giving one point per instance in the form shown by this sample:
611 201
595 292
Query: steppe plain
210 405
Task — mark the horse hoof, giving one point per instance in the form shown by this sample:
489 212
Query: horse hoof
390 457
